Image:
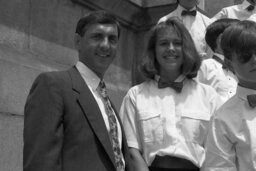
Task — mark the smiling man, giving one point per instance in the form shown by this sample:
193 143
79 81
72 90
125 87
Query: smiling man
69 122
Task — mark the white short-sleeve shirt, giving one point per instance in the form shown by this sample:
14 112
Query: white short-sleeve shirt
235 11
222 80
252 17
231 143
164 122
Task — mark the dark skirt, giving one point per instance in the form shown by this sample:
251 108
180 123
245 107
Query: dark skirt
171 163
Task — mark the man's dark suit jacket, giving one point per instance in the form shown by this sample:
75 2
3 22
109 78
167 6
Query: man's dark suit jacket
63 127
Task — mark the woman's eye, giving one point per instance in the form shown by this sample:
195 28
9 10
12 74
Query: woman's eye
178 43
164 43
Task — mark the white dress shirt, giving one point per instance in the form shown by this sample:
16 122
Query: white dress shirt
252 17
92 81
222 80
164 122
196 26
235 11
231 143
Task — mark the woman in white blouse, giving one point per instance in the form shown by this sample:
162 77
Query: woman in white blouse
166 117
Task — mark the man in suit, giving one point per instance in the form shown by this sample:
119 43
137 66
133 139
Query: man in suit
67 122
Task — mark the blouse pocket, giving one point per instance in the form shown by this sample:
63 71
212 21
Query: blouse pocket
151 126
194 126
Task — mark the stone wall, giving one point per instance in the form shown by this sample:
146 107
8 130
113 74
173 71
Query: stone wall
37 36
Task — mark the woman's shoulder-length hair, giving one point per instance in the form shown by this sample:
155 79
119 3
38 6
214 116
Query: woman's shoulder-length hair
191 59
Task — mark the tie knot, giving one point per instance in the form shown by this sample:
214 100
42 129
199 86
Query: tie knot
102 85
102 89
250 8
252 100
186 12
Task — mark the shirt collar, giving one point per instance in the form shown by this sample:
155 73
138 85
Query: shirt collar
245 4
219 56
252 17
243 92
180 8
88 75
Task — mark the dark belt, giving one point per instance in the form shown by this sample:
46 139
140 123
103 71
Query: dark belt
172 163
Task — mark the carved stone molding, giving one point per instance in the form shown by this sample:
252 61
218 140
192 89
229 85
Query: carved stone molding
129 14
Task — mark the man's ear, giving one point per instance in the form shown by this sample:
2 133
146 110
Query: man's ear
218 44
77 41
218 41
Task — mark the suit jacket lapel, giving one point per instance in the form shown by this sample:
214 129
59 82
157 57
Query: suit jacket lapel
91 111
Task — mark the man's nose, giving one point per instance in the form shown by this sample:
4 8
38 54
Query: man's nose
254 59
105 43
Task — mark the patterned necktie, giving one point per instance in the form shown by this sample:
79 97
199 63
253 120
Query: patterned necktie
250 8
177 86
252 100
186 12
113 126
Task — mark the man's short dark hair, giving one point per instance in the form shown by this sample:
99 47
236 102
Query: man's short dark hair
191 58
96 17
239 39
214 30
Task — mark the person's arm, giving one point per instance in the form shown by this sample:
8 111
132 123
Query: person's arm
137 161
220 151
43 128
210 74
219 15
130 123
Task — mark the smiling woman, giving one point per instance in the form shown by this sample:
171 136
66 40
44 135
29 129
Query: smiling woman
166 117
169 52
171 37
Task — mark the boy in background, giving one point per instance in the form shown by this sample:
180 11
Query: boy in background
216 71
231 142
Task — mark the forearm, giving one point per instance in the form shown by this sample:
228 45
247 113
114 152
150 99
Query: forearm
137 160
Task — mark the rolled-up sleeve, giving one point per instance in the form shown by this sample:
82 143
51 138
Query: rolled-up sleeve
129 120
